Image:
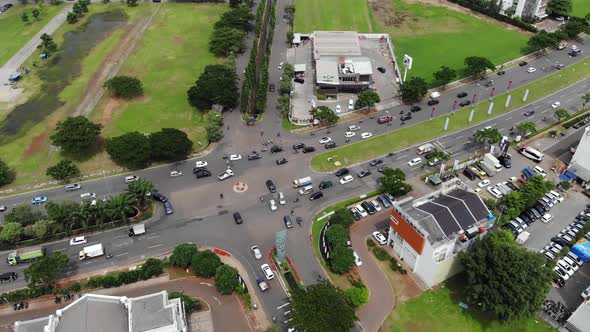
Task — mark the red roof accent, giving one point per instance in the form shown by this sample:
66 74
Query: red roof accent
407 232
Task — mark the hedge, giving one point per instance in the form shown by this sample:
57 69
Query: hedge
381 254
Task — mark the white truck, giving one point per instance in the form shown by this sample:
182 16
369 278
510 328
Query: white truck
137 230
522 237
306 181
425 148
92 251
492 163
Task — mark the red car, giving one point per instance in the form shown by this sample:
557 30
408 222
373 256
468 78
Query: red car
385 119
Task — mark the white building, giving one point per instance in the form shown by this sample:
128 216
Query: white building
428 232
580 163
104 313
528 10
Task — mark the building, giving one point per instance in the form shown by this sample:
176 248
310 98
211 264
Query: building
339 63
528 10
428 232
579 321
580 163
104 313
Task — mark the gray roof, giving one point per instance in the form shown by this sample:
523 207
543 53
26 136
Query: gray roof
34 325
580 162
335 43
425 221
92 313
148 312
327 71
580 319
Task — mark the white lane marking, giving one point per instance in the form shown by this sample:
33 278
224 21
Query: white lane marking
86 263
216 299
493 124
206 283
153 237
157 245
509 118
122 244
537 107
545 111
459 137
118 237
60 249
123 254
284 305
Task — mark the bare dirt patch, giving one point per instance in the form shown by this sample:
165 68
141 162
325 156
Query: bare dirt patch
37 142
179 39
107 112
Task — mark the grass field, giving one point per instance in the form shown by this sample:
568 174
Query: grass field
581 8
168 59
313 15
424 131
438 310
14 33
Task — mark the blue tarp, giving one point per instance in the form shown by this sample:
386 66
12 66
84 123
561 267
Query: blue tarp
570 175
528 172
564 177
582 250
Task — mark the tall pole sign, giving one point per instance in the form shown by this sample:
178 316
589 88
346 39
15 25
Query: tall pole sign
407 65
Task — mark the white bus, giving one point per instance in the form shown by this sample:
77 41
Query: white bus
532 154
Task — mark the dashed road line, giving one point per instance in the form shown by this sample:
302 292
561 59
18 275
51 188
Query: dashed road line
284 305
509 118
153 237
157 245
400 157
123 254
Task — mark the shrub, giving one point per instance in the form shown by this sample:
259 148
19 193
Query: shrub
183 255
151 268
205 263
371 243
125 87
357 296
226 279
393 265
381 254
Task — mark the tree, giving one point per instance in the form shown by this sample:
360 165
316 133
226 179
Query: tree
342 259
46 269
140 189
63 169
72 18
392 182
226 40
357 296
121 206
214 126
24 215
77 9
11 232
205 263
226 279
183 255
40 228
151 268
562 114
235 3
75 135
132 149
367 98
503 278
238 18
6 176
216 85
559 7
526 127
476 66
574 27
188 302
342 216
25 17
586 98
325 115
170 144
445 75
36 13
84 5
47 45
337 234
125 87
414 89
542 40
131 3
487 136
321 308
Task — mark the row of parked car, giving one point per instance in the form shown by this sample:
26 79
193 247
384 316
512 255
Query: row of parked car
538 212
371 207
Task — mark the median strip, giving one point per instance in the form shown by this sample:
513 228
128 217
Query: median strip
427 130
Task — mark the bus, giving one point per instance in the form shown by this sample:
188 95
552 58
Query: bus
532 154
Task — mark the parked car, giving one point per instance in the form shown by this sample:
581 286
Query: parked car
308 149
325 140
362 173
465 103
330 145
406 117
316 195
366 135
253 156
39 200
202 173
432 102
168 208
379 238
385 119
131 178
288 222
276 149
200 163
462 94
414 161
325 184
341 172
346 179
271 186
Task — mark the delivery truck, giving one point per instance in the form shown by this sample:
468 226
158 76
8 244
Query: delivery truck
25 255
306 181
137 230
492 162
425 148
92 251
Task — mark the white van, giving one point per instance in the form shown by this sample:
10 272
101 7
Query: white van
306 190
282 200
87 195
73 186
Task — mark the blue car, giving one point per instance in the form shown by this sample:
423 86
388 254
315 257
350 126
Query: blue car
39 200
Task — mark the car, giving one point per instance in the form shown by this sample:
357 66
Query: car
131 178
556 104
465 103
540 171
561 273
349 134
346 179
566 267
376 162
157 196
366 135
341 172
484 183
282 199
559 66
316 195
271 186
267 271
353 128
338 109
276 149
225 175
39 200
415 109
235 157
531 70
308 149
174 174
271 87
494 192
325 184
406 117
253 156
385 119
201 163
325 140
73 186
168 208
355 214
361 210
414 161
376 205
432 102
381 70
489 83
505 161
350 104
280 66
586 294
433 162
369 207
87 195
462 94
202 173
379 237
511 186
8 276
238 218
501 72
357 259
78 241
362 173
288 222
273 205
298 146
256 252
523 63
384 201
2 208
330 145
281 161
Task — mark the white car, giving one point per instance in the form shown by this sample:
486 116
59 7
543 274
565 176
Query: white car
349 134
586 294
357 259
379 237
87 195
531 70
346 179
235 157
267 271
556 104
280 66
325 140
494 192
256 251
174 174
273 205
78 241
415 162
561 273
282 199
338 109
540 171
484 183
225 175
201 163
350 104
376 205
361 210
131 178
366 135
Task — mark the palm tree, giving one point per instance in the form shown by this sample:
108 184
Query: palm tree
140 189
121 205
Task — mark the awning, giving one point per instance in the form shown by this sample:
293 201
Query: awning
571 175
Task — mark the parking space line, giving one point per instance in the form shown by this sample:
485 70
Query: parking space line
459 137
123 254
282 306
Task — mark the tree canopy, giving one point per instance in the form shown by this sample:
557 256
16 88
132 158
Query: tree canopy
325 115
526 127
562 114
11 232
6 175
237 18
227 40
63 169
414 89
125 87
476 66
487 136
559 7
46 269
140 189
131 149
214 126
170 144
544 39
47 45
183 255
367 98
226 279
75 135
342 259
445 75
517 201
504 279
205 263
575 26
392 182
216 85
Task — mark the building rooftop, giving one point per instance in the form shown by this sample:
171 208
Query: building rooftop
150 312
580 163
327 71
94 313
335 43
580 319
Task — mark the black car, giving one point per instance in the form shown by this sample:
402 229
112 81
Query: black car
298 146
462 94
368 207
271 87
8 276
330 145
406 116
158 197
238 218
342 172
528 113
415 108
355 214
202 173
316 195
465 103
308 149
432 102
288 222
526 218
253 156
376 162
381 70
363 173
505 161
501 72
271 186
325 184
560 241
281 161
299 80
541 208
276 149
168 208
523 63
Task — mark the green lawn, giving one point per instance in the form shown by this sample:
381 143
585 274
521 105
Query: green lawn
581 8
168 59
427 130
438 310
14 33
313 15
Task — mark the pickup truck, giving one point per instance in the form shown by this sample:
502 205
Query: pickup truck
225 175
262 284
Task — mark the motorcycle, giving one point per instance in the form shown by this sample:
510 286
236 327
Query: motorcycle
109 256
